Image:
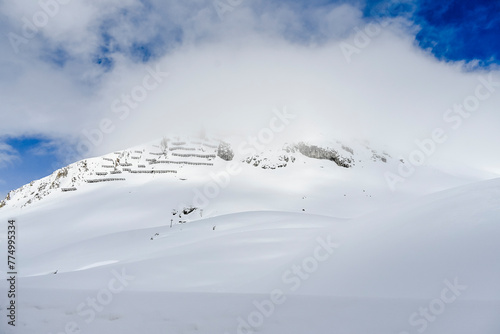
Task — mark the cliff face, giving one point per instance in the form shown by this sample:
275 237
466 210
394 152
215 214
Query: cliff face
316 152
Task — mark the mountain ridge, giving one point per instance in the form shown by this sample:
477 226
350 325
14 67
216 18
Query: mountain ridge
178 152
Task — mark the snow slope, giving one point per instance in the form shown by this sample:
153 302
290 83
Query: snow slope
128 258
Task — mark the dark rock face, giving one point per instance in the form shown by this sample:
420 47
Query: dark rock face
225 152
263 162
316 152
187 211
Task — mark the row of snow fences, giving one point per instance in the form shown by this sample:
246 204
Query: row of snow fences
151 160
212 146
189 155
115 172
155 153
182 148
182 163
108 159
117 152
107 166
67 189
101 173
104 180
178 143
135 157
137 151
126 164
153 171
141 166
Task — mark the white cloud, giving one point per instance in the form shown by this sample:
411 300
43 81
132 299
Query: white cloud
228 75
8 155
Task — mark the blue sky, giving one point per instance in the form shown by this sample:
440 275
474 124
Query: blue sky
460 30
30 159
100 40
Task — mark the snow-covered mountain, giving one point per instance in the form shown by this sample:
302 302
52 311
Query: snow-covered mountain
201 166
217 235
183 159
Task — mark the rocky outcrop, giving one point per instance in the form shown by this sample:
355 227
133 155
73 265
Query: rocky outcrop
225 152
316 152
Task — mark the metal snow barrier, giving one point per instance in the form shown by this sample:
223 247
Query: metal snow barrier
152 171
104 180
101 173
137 151
115 172
177 143
126 165
155 153
141 166
107 166
212 146
108 159
126 169
189 155
151 160
67 189
182 148
135 157
182 163
117 152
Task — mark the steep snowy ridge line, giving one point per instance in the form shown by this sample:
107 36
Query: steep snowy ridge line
177 153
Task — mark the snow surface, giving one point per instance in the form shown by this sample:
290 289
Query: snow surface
348 254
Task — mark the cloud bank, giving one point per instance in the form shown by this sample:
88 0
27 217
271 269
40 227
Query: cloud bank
93 78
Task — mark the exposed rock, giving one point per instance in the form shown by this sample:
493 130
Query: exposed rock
316 152
225 152
187 211
347 149
376 157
